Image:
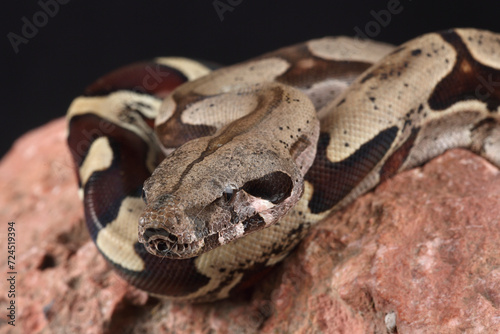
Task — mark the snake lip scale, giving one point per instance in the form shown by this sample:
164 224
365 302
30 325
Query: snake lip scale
195 187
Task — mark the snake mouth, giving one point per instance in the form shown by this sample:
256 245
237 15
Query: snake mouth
161 243
165 244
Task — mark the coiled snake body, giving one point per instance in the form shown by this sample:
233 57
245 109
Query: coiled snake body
253 154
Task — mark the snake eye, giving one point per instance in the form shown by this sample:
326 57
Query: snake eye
274 187
144 196
228 193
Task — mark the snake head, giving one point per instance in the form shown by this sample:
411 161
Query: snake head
244 178
203 203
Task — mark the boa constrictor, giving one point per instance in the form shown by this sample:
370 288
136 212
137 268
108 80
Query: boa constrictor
244 167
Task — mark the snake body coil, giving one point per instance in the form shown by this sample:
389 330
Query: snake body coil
242 160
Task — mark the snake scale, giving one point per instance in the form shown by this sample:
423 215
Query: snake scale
196 181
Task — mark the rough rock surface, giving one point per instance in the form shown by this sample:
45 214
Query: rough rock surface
420 254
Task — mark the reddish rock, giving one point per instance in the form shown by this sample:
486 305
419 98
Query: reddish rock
422 248
419 255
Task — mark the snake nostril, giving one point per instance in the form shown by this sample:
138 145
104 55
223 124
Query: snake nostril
161 242
161 246
155 232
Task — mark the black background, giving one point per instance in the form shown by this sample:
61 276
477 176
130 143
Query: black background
86 39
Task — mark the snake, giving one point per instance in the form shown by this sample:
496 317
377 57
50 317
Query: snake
196 179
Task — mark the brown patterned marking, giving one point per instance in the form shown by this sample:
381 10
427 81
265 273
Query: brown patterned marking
265 107
308 69
332 181
396 160
468 80
106 189
299 146
238 127
366 77
416 52
259 269
173 133
385 71
142 77
164 277
397 50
